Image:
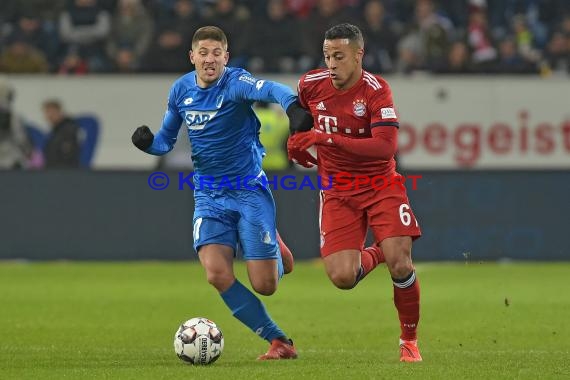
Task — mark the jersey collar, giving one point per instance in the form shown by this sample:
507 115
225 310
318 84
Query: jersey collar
195 80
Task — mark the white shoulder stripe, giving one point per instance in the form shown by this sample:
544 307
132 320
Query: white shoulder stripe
372 78
316 78
371 84
317 74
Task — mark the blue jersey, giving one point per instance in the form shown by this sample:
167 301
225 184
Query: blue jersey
222 126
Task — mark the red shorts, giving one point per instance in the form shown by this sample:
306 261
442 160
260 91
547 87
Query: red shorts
344 220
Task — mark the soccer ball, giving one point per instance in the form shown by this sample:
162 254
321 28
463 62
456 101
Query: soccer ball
198 341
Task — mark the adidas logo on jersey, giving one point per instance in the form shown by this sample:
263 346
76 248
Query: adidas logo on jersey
321 107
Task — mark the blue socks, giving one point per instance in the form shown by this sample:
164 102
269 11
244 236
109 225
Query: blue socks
249 310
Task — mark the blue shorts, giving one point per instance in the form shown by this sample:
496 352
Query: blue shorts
230 217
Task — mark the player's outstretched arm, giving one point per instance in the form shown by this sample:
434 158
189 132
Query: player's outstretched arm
248 88
156 145
163 141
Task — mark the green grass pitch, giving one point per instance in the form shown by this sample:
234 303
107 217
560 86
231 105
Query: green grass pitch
117 321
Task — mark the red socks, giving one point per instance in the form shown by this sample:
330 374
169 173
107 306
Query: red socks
407 301
370 258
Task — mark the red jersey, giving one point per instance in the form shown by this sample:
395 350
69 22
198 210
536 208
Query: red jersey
351 113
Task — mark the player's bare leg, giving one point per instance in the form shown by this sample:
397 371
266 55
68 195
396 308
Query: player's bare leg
263 276
217 260
398 253
348 267
286 255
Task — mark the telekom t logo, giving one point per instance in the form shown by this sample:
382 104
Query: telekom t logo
327 123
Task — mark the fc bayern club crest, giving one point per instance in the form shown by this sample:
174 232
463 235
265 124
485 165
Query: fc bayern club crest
359 107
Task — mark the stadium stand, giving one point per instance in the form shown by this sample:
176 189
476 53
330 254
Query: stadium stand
74 37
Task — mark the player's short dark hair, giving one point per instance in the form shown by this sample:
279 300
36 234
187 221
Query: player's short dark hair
210 33
345 30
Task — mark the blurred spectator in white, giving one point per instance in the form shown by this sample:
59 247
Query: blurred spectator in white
20 57
279 50
85 25
62 146
15 147
381 37
132 29
483 51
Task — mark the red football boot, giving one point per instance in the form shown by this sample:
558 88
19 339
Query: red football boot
280 350
409 351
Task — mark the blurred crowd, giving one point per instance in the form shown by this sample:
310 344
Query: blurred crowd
67 144
75 37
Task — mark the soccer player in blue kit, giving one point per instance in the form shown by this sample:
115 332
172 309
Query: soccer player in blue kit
214 103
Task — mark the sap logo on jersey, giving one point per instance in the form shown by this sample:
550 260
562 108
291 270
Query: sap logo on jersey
197 119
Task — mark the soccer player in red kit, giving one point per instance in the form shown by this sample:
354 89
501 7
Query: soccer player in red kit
355 134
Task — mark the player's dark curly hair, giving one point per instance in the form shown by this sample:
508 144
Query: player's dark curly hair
345 30
210 33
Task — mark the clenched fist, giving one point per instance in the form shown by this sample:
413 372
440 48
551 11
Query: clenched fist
142 138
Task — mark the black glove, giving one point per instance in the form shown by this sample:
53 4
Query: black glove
142 138
300 120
